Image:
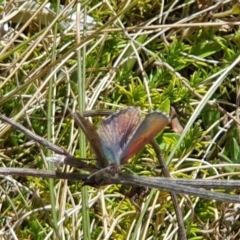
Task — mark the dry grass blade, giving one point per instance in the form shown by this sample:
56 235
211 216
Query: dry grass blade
147 54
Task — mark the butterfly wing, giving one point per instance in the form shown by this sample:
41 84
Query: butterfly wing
148 128
92 137
116 130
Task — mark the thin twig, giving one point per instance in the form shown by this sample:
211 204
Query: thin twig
181 228
182 186
69 159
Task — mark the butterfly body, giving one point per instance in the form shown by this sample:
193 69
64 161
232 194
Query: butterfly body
123 134
115 132
120 136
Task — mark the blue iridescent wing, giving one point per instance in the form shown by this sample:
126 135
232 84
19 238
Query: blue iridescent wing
116 130
146 131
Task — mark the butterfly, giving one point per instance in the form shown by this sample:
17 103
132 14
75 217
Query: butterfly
122 135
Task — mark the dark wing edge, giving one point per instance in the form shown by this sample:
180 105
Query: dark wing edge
93 137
